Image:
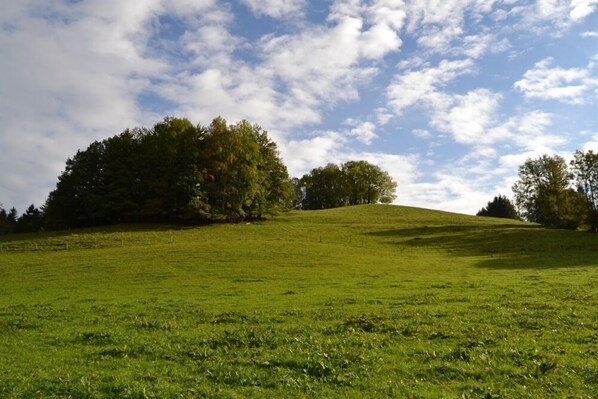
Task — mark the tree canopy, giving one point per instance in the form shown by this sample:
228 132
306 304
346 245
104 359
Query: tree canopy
30 221
173 172
543 193
353 183
499 207
584 167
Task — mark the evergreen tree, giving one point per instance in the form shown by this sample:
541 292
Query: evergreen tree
5 226
499 207
30 221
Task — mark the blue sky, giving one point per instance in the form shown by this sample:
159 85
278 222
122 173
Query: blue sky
449 97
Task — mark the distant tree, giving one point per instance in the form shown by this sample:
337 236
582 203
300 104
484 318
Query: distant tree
78 199
323 188
12 216
353 183
543 193
275 187
584 167
367 184
243 173
4 225
8 220
121 181
499 207
168 167
30 221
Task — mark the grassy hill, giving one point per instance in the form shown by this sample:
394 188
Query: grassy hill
368 301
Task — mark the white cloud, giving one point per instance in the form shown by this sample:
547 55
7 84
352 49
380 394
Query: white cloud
592 144
379 40
560 14
422 133
553 83
383 116
424 86
276 8
303 155
582 8
589 34
552 9
73 72
69 74
319 63
364 132
470 118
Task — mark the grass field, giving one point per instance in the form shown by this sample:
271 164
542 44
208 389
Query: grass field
364 302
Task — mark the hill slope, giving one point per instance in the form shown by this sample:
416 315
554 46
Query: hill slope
365 301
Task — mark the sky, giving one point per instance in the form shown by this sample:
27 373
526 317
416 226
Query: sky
448 96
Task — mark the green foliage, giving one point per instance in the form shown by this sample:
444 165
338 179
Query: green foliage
30 221
323 188
367 184
499 207
371 301
174 172
585 174
5 227
543 195
353 183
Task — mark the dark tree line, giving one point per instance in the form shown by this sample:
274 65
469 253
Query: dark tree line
30 221
175 172
353 183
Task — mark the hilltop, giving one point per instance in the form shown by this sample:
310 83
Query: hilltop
364 301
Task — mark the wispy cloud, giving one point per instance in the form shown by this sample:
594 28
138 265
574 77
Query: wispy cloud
424 86
276 8
545 82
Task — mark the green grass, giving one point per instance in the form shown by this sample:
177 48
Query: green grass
365 302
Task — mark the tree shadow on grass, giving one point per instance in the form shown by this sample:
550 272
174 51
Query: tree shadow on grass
505 246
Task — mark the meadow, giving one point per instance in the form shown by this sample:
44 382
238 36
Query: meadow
360 302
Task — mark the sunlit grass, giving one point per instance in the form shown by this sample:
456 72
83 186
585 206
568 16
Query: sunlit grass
369 301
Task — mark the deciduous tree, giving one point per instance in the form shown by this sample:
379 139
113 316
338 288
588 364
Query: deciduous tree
353 183
543 193
585 174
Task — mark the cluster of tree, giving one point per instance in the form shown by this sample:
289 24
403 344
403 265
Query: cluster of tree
500 207
552 193
352 183
182 173
30 221
175 172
